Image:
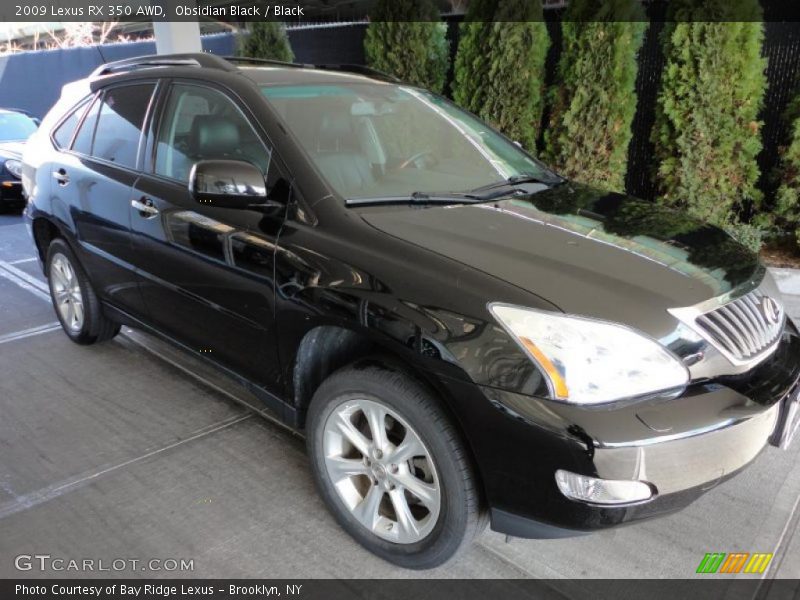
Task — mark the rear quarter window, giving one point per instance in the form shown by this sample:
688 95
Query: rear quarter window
83 139
62 136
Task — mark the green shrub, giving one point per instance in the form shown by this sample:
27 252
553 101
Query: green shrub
267 39
407 39
471 66
787 198
500 67
707 133
747 234
594 99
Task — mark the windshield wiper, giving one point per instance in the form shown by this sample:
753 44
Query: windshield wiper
481 194
416 198
511 182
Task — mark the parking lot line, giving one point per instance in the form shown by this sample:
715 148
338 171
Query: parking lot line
30 332
23 280
29 500
22 260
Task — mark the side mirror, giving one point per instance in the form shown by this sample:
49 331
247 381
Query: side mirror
227 184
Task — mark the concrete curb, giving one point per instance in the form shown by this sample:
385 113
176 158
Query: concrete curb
788 280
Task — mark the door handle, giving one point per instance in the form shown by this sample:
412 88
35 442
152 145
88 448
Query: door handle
61 177
145 207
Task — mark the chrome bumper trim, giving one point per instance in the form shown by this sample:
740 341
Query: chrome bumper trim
691 459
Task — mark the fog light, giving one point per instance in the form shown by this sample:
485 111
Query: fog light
601 491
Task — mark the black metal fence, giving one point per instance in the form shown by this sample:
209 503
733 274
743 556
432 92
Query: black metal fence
782 49
339 43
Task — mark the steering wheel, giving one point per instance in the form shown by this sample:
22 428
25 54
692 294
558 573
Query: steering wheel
413 160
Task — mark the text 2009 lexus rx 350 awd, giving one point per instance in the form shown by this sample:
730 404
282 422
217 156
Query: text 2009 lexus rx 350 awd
462 334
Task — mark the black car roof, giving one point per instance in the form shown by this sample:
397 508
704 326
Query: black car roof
260 71
265 75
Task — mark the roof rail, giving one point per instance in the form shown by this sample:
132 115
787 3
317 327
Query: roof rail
225 63
199 59
266 61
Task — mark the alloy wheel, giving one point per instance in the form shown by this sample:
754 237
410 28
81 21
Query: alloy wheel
67 292
382 471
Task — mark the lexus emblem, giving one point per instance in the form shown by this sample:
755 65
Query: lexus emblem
771 310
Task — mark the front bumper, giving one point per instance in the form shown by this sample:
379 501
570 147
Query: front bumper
682 446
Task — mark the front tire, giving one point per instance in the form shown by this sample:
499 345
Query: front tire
77 306
391 467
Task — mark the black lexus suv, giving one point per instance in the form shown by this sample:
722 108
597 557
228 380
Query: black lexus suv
462 335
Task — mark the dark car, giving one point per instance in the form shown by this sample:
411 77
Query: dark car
15 128
36 120
461 334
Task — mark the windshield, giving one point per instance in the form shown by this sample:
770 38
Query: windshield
377 141
15 126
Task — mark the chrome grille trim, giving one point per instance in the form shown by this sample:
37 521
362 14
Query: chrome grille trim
745 329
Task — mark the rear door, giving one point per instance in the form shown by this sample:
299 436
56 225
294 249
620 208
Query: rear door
92 185
207 272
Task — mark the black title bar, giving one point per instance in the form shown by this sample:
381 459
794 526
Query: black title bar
708 588
333 10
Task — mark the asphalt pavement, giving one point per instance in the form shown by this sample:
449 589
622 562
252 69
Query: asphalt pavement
134 450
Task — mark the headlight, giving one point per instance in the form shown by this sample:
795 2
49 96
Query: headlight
589 362
14 167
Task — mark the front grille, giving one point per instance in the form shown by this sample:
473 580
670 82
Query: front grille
745 327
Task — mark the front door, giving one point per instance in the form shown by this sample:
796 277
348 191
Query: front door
207 272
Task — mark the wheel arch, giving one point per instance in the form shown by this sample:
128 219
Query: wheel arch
327 348
44 232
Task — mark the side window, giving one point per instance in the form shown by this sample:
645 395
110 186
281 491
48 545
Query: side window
63 133
83 141
201 124
119 124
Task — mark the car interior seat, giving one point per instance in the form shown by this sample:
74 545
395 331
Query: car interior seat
213 137
339 154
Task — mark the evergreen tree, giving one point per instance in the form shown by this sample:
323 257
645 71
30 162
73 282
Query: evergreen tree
500 66
594 99
707 133
407 39
471 66
267 39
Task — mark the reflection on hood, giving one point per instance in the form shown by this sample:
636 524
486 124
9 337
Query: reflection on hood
655 232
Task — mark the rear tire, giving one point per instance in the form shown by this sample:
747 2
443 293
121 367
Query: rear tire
77 306
415 508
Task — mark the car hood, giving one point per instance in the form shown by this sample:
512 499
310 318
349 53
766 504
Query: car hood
589 252
11 149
